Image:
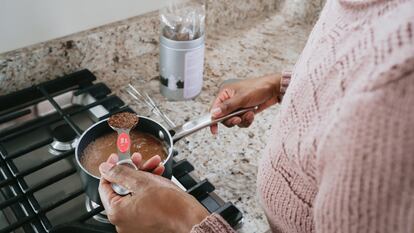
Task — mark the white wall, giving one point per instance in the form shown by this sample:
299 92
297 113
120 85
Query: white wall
26 22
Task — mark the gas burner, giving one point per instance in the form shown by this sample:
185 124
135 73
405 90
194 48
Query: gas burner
64 139
101 217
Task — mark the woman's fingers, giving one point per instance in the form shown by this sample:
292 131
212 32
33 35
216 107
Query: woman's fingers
113 158
131 179
216 111
107 194
222 96
137 159
119 174
151 163
242 121
232 121
214 129
125 176
228 106
267 104
247 119
226 103
159 170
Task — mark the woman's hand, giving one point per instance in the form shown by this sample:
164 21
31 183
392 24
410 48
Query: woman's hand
262 92
155 203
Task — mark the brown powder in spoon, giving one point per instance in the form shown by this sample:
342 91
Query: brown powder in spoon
123 120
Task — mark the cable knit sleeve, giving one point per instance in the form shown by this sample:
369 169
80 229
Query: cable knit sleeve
214 223
284 83
366 161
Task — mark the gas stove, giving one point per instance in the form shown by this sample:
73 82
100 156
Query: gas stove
40 189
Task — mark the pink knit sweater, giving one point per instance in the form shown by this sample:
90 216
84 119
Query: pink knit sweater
341 158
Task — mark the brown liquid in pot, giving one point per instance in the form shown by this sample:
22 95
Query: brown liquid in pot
101 148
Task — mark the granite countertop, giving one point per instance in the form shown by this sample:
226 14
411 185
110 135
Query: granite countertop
254 39
229 161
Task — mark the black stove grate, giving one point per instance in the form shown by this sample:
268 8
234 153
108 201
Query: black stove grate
19 197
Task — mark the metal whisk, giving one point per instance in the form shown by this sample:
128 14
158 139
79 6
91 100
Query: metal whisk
143 97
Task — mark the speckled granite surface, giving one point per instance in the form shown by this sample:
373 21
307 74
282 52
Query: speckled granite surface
245 39
107 45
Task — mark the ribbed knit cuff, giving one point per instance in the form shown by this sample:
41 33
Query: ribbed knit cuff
214 223
284 83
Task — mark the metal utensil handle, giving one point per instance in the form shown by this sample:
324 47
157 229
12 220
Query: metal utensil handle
151 104
123 146
120 190
123 153
204 121
164 117
233 114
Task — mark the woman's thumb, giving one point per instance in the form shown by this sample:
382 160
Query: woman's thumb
119 174
226 107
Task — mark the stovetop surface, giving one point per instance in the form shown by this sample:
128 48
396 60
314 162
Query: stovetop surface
40 189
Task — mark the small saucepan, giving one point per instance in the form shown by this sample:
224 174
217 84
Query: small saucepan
146 125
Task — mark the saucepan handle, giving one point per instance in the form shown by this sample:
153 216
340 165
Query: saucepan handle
190 127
